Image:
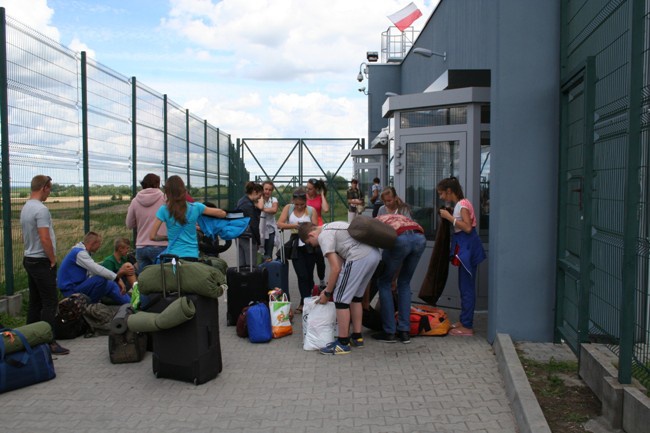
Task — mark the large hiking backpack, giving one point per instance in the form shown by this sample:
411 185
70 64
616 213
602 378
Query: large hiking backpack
427 320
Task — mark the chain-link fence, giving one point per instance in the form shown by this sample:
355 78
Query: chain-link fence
96 133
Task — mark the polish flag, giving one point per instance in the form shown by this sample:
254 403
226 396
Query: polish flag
405 17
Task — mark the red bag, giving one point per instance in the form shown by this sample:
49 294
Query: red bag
427 320
242 328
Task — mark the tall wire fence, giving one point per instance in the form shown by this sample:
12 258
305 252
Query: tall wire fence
96 133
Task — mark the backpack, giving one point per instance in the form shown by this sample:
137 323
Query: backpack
242 328
373 232
258 322
427 320
69 322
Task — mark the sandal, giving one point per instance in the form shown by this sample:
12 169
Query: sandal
456 325
299 310
462 332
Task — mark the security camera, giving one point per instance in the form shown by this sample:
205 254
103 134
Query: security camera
360 77
381 139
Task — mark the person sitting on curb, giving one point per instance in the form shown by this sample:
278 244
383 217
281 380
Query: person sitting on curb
80 274
118 259
351 267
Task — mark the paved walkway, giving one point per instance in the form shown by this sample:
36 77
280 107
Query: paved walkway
435 384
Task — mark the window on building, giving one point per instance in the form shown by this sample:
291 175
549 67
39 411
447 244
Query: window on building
427 163
439 116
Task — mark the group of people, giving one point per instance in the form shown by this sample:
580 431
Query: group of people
167 222
352 264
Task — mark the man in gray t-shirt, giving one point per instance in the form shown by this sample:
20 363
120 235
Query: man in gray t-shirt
39 258
351 266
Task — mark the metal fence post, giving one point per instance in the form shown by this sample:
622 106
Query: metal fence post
134 137
219 169
6 178
632 198
84 141
165 139
134 145
187 148
205 160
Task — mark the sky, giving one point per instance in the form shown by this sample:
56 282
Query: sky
254 68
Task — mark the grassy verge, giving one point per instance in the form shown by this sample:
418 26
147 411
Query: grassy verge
566 401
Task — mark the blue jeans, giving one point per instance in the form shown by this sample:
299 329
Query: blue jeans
268 246
147 256
402 258
96 287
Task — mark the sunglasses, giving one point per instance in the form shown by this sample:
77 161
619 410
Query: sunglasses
312 181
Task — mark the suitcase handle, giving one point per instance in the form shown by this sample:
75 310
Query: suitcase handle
283 258
177 272
250 248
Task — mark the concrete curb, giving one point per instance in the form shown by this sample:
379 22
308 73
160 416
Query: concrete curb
528 414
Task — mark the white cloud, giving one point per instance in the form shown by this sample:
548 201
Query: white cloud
78 46
282 40
301 58
34 13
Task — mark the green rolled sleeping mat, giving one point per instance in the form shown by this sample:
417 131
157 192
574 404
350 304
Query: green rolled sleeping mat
196 277
176 313
35 333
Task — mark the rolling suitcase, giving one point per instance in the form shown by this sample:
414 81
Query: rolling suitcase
190 352
245 284
278 271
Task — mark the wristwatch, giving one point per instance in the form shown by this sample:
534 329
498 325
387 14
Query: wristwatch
327 294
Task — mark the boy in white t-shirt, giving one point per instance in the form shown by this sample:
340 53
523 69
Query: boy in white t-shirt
351 266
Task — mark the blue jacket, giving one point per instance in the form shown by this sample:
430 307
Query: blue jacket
227 229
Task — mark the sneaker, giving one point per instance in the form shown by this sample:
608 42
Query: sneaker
404 337
386 338
356 342
57 349
335 348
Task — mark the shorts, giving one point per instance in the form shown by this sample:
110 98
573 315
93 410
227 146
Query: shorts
355 276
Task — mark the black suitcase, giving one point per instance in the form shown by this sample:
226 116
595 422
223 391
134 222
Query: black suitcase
245 284
190 352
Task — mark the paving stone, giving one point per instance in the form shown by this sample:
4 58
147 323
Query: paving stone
431 385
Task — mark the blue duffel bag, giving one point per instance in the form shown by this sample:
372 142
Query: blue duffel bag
258 321
24 368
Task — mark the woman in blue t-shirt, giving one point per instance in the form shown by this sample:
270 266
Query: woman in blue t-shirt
181 216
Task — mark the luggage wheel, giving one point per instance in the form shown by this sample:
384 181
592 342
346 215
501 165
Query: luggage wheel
196 381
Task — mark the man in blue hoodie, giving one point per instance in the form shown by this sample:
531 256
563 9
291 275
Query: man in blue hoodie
80 274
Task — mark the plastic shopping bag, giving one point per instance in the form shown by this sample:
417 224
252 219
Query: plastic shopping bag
318 324
280 309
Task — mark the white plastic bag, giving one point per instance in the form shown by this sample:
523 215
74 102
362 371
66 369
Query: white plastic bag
318 324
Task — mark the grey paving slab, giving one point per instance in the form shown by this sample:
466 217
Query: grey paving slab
434 384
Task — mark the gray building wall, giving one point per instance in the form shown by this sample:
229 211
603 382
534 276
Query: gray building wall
525 139
518 40
386 77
